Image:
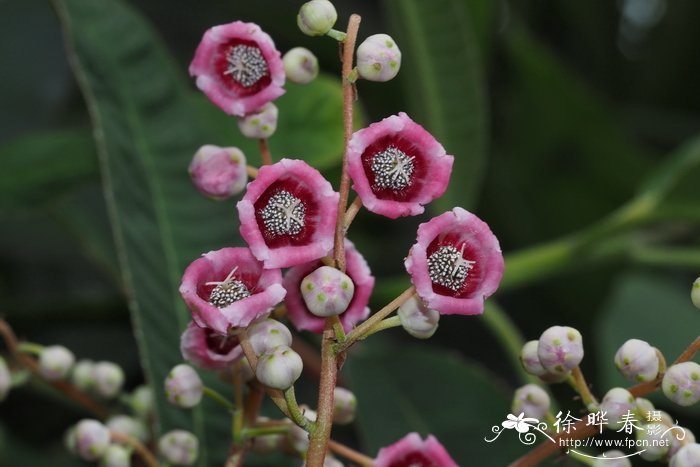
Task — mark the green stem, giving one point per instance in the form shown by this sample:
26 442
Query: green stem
667 256
265 431
30 348
338 329
387 323
218 398
296 414
337 35
578 382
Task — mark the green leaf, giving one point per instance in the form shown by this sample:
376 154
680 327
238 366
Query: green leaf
651 307
38 167
147 130
445 89
405 388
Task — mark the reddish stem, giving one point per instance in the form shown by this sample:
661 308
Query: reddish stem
265 155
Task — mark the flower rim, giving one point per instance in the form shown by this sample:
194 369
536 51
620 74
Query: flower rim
482 242
435 166
430 449
195 348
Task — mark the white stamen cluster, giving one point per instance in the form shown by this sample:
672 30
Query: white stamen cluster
246 65
448 268
284 214
228 291
392 168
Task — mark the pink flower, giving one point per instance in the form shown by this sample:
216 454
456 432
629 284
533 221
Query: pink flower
359 272
228 288
456 263
208 349
238 67
412 451
288 214
397 167
218 172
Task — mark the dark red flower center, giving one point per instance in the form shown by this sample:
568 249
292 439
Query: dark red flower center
235 286
286 213
242 67
395 168
222 345
453 266
413 459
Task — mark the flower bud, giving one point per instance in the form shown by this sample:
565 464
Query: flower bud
142 401
616 403
531 400
298 437
681 383
676 444
327 291
183 386
695 293
128 426
417 319
344 406
91 439
316 17
300 65
378 58
653 441
643 407
613 458
219 173
109 379
5 379
83 375
55 362
260 124
529 359
116 456
265 335
70 441
637 360
179 447
687 456
560 349
279 368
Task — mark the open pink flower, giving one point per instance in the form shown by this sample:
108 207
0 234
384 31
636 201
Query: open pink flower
238 67
412 451
357 270
397 167
207 349
288 214
228 289
456 263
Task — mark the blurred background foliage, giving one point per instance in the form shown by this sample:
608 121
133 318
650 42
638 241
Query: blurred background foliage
558 113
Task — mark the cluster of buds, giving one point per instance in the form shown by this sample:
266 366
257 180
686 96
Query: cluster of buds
552 357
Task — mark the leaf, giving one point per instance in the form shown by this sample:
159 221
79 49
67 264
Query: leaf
405 388
444 87
650 307
37 167
147 130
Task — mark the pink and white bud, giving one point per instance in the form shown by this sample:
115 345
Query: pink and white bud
179 447
116 456
183 386
128 426
637 360
530 360
316 17
265 335
378 58
654 441
417 319
531 400
5 379
344 406
83 375
279 368
92 439
681 383
219 173
141 402
327 291
616 403
687 456
260 124
109 379
300 65
560 349
55 362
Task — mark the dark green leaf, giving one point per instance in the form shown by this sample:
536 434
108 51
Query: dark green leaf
147 130
445 87
405 388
